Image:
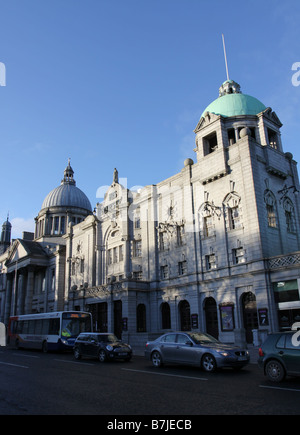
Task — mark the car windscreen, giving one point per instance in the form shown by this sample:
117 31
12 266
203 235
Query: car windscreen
109 338
201 338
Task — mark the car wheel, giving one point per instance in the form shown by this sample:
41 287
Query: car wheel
156 359
275 371
77 354
208 363
102 356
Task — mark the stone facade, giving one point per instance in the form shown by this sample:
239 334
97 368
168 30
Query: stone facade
212 248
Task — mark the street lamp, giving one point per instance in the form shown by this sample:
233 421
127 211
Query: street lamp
284 191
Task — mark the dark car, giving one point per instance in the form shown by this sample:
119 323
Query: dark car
279 356
195 348
104 346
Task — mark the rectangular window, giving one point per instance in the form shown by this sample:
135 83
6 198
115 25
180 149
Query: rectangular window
238 256
180 235
110 256
138 275
182 268
273 139
210 143
234 218
82 265
115 255
164 272
211 261
286 291
121 253
290 221
62 225
271 216
56 224
137 252
208 226
162 241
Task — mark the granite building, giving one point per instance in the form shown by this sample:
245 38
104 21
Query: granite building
214 248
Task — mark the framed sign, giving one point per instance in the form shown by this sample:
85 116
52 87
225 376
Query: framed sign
263 317
227 317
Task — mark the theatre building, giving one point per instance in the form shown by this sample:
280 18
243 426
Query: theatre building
213 248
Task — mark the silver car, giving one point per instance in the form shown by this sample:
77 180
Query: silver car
195 348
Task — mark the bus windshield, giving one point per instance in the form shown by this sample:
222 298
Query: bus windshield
73 324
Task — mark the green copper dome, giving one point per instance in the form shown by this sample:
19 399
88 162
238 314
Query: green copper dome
232 102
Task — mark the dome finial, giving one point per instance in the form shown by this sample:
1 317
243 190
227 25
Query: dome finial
68 175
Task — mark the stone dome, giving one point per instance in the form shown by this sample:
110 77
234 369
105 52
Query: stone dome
67 194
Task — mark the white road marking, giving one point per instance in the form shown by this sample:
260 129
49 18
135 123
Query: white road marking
280 388
14 365
165 374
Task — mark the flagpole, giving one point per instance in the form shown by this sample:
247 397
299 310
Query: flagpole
225 57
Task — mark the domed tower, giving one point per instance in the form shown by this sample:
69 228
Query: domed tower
244 171
5 236
229 118
64 204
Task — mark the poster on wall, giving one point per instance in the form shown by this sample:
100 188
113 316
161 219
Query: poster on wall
263 316
227 317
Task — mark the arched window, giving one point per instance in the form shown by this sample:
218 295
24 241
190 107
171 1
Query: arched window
141 318
289 215
165 316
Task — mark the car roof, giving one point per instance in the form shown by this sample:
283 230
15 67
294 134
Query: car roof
96 333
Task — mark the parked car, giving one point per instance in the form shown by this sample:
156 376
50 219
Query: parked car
104 346
195 348
279 356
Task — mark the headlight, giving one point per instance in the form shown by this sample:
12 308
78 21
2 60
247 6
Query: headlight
109 348
221 352
64 341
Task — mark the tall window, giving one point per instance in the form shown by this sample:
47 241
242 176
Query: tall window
271 216
234 217
289 215
270 202
182 268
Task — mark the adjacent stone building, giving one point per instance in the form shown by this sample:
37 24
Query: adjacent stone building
212 248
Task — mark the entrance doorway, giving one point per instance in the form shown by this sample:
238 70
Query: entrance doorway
184 315
99 316
249 315
118 319
211 316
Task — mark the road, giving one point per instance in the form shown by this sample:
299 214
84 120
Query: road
34 383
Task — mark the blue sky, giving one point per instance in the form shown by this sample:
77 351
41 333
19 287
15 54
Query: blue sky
123 83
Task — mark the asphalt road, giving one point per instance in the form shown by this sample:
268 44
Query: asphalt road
33 383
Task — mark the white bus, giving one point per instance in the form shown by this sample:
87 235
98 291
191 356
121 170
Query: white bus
48 331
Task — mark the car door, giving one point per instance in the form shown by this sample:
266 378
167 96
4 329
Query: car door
291 355
168 348
186 352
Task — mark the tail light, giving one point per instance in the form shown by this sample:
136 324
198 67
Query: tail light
260 352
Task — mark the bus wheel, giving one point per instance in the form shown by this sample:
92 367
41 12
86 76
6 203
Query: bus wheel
17 344
45 347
